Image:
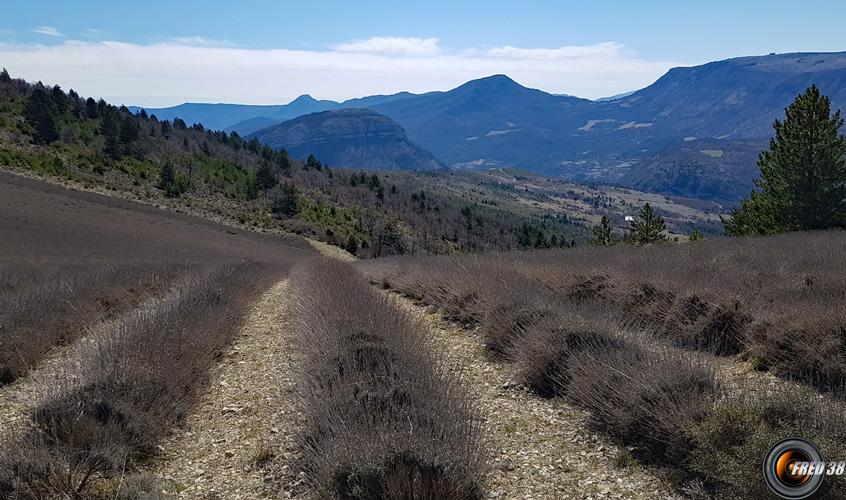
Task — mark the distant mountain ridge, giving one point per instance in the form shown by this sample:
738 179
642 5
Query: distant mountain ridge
247 118
495 122
356 138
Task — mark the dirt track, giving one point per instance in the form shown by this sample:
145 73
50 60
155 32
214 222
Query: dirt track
237 442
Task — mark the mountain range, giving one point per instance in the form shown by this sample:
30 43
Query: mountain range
694 132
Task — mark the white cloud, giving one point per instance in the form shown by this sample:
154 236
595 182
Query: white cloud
392 45
199 41
599 50
47 30
175 71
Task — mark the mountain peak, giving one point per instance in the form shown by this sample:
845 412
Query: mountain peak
500 81
303 99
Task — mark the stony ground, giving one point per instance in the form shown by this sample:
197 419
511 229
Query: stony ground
239 442
539 448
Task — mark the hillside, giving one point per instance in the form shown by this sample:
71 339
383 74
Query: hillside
92 145
496 122
719 170
356 138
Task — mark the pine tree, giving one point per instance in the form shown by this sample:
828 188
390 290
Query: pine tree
4 76
283 162
803 174
59 99
38 113
351 246
265 177
166 129
696 235
603 235
286 202
524 236
129 130
91 109
647 227
312 163
171 182
110 130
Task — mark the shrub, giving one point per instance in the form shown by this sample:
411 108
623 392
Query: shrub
124 388
543 355
642 398
807 349
38 312
508 321
382 421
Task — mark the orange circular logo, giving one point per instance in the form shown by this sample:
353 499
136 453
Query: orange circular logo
794 469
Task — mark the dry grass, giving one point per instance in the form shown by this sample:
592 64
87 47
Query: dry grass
41 308
124 387
382 419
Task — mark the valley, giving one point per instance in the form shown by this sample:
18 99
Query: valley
641 140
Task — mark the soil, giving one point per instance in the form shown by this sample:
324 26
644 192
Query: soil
239 441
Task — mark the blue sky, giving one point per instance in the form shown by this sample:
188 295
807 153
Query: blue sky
277 50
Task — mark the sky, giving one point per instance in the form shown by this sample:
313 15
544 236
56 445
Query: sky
161 53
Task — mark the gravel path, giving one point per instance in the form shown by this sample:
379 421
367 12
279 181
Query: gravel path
539 448
238 442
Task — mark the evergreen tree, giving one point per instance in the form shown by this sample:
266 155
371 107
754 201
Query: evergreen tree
91 109
540 240
129 130
351 246
38 113
265 177
647 227
602 234
524 236
286 202
166 129
803 174
312 163
696 235
4 76
283 162
110 130
167 177
75 103
171 182
59 99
